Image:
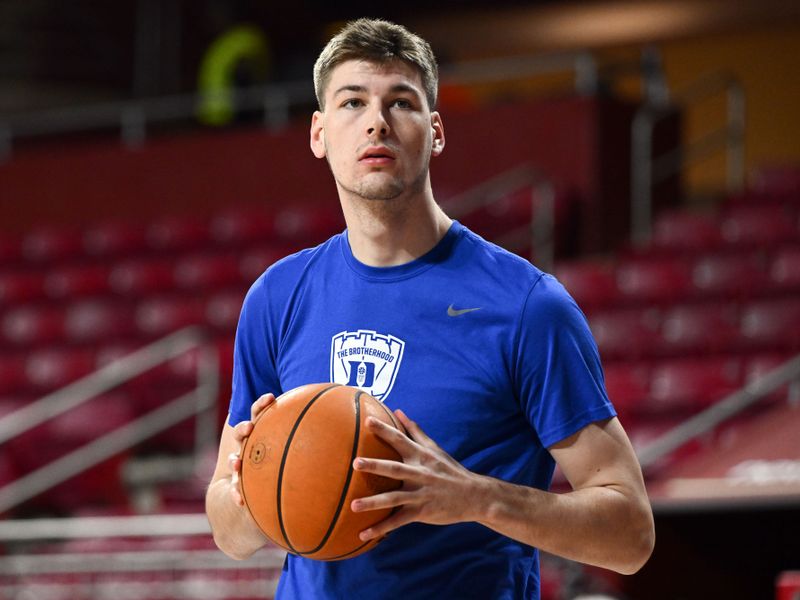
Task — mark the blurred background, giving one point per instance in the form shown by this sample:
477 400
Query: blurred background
154 161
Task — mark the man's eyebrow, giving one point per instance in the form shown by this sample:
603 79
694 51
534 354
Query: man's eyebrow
360 89
404 87
350 88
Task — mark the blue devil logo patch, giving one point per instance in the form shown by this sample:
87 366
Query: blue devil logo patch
367 360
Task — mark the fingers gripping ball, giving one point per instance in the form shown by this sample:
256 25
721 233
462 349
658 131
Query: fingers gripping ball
297 470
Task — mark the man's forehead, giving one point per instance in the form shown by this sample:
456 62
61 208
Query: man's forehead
367 73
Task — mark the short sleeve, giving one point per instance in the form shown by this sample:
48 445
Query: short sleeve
254 353
558 375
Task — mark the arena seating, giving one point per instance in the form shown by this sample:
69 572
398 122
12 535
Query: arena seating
710 304
72 300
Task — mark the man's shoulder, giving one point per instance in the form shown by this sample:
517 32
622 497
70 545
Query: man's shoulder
516 278
488 256
281 278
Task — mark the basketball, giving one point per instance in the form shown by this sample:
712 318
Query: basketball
297 470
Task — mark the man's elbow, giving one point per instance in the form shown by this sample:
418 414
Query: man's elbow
641 542
230 546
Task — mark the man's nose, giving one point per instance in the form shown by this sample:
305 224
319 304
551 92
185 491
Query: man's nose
378 124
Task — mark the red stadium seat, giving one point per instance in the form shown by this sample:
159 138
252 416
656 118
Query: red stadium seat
653 280
255 260
224 345
161 315
114 238
308 224
626 384
222 310
759 226
20 286
32 325
207 271
692 384
91 420
12 373
141 277
66 432
93 320
71 281
52 244
114 350
771 324
50 369
177 234
73 428
140 386
699 329
683 231
240 226
729 276
8 470
784 269
592 284
625 334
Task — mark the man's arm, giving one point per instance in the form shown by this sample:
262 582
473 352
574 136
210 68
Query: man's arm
235 531
605 520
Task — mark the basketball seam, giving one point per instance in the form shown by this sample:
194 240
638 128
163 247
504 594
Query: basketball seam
395 422
286 448
346 486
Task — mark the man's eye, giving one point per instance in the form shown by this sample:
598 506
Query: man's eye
352 103
402 103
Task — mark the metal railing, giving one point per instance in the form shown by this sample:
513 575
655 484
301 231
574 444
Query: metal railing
275 101
193 572
539 233
696 426
132 117
183 574
647 171
200 402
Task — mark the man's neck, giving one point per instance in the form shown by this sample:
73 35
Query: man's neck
385 233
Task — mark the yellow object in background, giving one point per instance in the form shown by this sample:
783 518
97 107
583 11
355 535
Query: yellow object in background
242 44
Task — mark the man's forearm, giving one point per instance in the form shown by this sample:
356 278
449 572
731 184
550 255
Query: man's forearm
235 531
606 526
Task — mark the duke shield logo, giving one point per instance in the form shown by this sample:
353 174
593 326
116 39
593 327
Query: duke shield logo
367 360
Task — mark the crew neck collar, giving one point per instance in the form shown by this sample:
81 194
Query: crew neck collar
410 269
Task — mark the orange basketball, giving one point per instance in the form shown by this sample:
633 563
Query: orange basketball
297 470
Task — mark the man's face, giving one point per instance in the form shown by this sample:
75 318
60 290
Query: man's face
377 130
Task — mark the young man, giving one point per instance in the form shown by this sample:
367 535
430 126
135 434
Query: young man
486 360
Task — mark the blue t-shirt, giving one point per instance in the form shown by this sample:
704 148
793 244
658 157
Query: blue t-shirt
490 356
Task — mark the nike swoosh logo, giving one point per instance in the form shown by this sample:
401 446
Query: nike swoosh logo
453 312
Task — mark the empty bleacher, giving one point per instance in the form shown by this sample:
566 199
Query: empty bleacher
710 303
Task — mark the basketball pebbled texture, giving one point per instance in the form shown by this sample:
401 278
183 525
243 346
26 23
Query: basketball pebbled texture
297 470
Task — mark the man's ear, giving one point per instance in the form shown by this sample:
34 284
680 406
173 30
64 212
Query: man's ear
317 135
437 145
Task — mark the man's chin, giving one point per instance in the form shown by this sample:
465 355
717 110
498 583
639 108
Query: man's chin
379 193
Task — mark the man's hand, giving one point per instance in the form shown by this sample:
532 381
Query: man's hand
240 433
235 531
605 520
436 488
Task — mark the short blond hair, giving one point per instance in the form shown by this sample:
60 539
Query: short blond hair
381 42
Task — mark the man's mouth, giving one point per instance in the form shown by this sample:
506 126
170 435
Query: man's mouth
377 155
